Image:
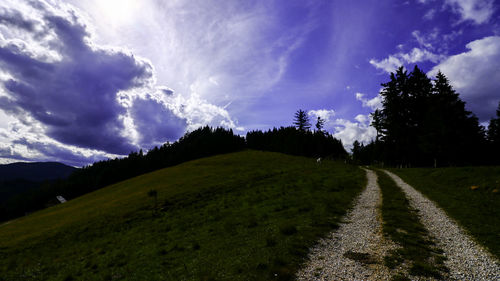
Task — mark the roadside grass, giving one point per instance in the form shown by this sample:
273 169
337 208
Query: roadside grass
242 216
401 223
478 210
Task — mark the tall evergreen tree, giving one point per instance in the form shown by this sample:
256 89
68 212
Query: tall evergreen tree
494 128
494 137
356 150
394 117
458 133
378 123
320 123
424 123
301 121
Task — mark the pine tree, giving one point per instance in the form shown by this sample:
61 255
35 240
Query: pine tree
319 125
356 150
301 121
394 117
494 129
457 133
423 122
494 138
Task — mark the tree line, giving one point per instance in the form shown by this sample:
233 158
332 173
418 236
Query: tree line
423 122
203 142
298 139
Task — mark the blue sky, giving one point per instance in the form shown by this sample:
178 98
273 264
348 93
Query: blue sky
85 80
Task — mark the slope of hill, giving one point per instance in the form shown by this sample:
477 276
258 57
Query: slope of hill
242 216
37 171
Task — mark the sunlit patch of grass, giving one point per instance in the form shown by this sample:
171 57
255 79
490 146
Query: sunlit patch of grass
402 225
478 211
242 216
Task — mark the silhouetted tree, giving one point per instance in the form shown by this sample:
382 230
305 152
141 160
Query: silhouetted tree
424 122
320 123
494 137
291 140
301 120
494 128
356 150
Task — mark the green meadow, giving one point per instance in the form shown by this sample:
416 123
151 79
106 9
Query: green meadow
242 216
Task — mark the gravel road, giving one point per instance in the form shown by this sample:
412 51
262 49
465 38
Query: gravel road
356 250
466 259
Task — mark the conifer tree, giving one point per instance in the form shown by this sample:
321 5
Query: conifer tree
301 121
494 129
424 122
319 125
494 138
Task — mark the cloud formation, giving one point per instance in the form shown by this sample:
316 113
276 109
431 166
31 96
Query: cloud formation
82 96
346 130
349 131
392 62
75 97
475 74
478 11
374 103
325 114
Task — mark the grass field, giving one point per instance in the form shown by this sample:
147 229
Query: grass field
477 210
401 223
242 216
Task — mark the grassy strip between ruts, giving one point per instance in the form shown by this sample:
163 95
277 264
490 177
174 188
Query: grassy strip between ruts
242 216
470 195
402 225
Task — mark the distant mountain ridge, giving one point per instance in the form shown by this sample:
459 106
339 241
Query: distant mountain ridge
23 186
35 171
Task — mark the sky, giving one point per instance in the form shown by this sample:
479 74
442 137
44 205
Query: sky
82 81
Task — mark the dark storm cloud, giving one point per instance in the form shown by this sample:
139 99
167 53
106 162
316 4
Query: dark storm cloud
74 97
158 125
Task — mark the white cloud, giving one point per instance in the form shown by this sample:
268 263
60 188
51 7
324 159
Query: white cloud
325 114
478 11
374 103
392 62
348 131
389 64
345 130
430 14
425 40
475 74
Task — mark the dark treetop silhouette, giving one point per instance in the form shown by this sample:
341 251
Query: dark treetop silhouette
423 122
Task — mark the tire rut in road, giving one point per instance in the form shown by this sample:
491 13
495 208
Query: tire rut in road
466 259
356 249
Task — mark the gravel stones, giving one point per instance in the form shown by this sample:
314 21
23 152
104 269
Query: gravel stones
356 249
466 259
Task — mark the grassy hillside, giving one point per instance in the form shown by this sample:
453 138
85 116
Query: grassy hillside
477 210
242 216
